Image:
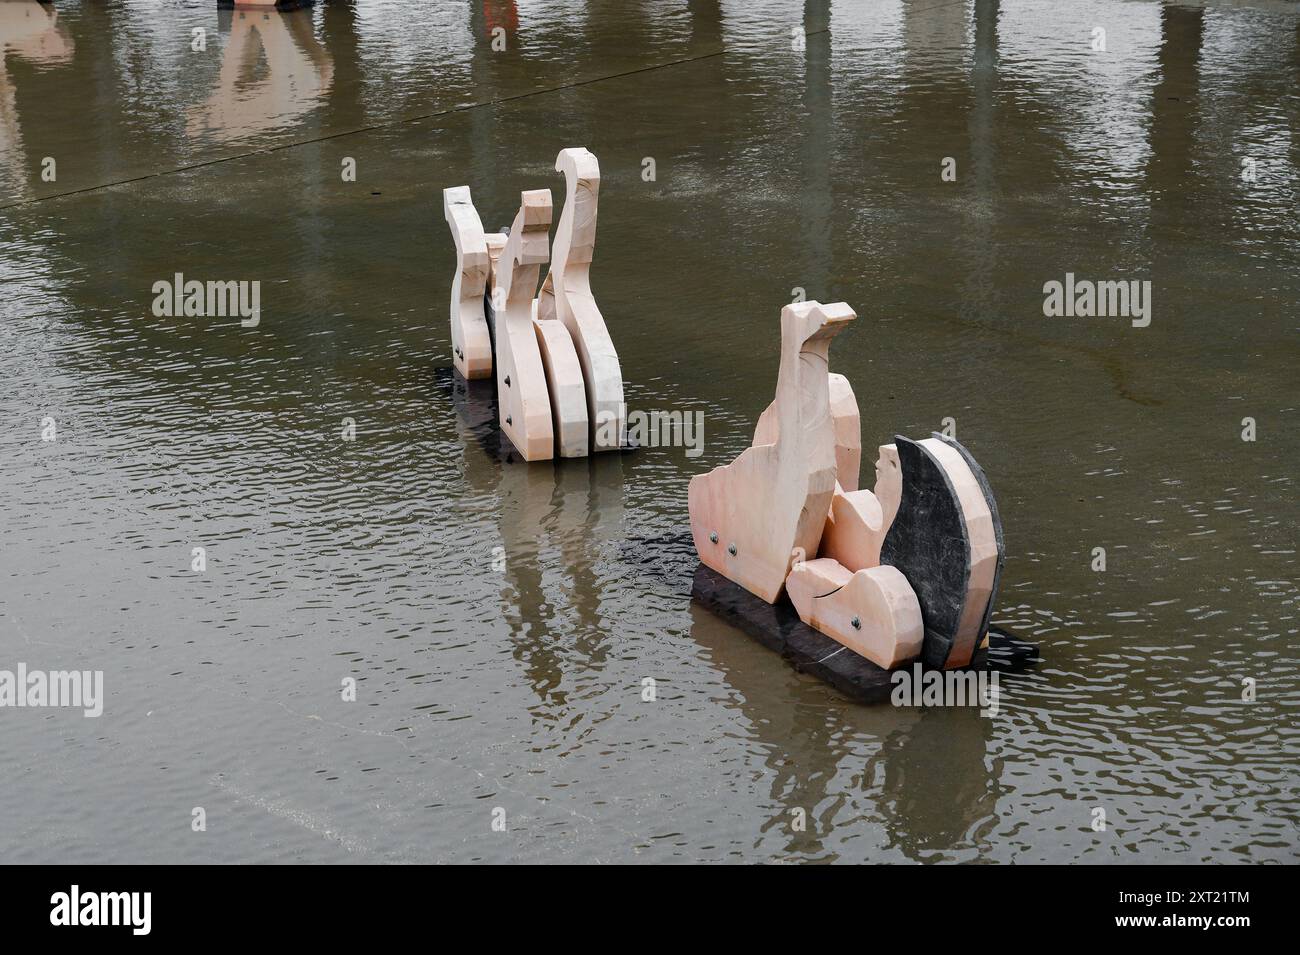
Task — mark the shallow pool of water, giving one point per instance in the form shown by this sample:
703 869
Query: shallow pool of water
499 620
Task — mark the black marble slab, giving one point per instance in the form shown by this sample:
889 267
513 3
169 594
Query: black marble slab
929 543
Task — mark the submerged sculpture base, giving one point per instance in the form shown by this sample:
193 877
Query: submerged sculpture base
475 402
778 627
265 4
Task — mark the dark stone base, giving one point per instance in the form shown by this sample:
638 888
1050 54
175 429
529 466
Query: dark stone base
280 5
779 628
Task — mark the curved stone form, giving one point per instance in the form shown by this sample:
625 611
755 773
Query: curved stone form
859 520
983 531
566 295
471 345
496 244
889 484
564 382
551 351
753 518
909 568
848 430
522 394
855 525
873 612
995 517
945 542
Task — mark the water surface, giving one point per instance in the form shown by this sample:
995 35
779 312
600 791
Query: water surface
783 161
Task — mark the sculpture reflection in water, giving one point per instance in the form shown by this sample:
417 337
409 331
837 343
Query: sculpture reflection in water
913 754
558 526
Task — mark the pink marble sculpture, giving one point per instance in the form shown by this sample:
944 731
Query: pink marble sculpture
788 515
549 349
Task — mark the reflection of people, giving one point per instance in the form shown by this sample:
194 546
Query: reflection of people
27 30
299 72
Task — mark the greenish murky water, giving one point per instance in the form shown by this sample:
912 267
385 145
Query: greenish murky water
783 160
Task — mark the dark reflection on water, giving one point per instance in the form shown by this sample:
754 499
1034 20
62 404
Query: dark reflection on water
783 161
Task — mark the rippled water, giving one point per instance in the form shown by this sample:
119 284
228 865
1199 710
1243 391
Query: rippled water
776 168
